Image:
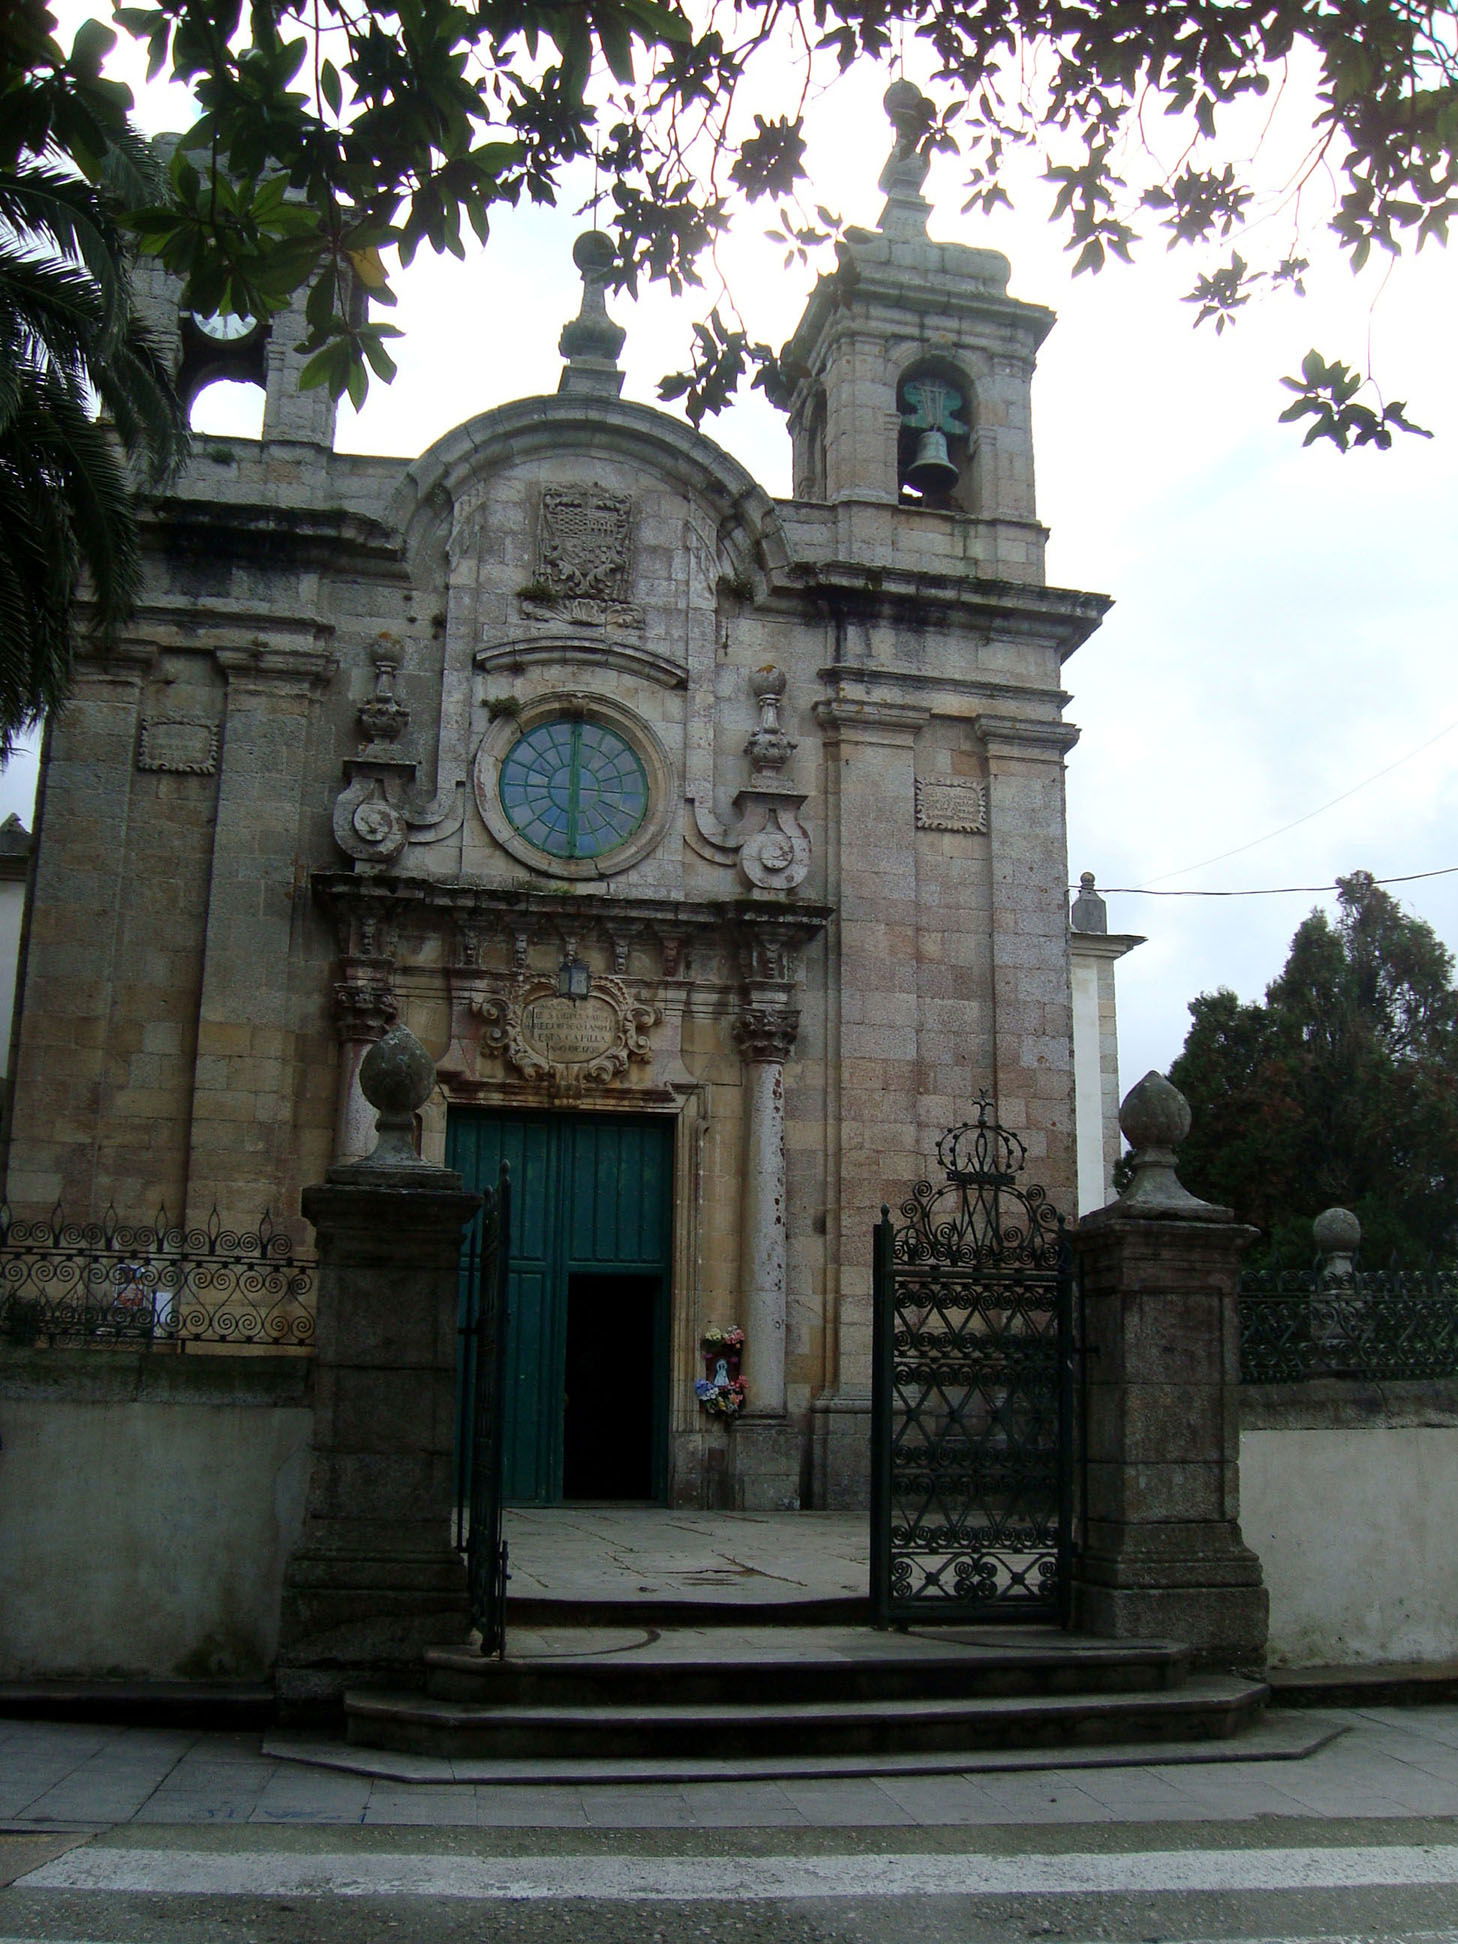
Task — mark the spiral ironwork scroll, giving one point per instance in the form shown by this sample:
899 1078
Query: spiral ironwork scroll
1376 1325
65 1283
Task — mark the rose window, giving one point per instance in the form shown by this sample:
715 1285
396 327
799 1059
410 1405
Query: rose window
574 789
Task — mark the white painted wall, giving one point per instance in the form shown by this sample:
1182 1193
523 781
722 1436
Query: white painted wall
1088 1083
1355 1529
145 1539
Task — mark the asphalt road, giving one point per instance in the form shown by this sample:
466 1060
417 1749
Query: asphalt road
1151 1883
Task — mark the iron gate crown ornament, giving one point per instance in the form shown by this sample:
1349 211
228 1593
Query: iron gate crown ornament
982 1151
979 1216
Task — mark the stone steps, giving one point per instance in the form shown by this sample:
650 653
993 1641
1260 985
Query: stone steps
689 1669
772 1692
1206 1707
1272 1737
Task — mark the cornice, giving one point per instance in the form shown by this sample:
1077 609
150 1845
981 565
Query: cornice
885 722
1017 736
313 535
1102 945
343 890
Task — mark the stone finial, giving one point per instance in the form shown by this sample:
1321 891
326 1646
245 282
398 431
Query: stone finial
1338 1235
1154 1118
382 716
911 114
397 1077
592 342
1089 913
769 748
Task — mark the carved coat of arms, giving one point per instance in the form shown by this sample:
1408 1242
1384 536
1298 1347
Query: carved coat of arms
584 556
584 542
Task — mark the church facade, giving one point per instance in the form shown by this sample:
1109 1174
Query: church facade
713 845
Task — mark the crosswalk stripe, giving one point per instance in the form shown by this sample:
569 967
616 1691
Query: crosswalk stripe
718 1879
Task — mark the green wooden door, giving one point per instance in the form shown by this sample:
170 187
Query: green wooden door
587 1298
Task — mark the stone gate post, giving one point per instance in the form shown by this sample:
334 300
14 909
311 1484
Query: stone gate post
375 1579
1162 1553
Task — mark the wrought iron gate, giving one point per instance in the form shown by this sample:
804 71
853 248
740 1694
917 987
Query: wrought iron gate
481 1409
972 1393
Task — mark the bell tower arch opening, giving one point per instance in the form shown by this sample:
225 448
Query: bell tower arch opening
934 445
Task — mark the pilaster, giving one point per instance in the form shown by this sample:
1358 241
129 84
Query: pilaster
872 1038
243 1105
1027 940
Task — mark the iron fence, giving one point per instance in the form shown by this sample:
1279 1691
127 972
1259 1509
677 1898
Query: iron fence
65 1283
1374 1324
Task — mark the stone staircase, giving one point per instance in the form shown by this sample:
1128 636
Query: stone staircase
779 1697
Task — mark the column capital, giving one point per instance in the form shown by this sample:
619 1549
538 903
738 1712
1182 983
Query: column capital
767 1033
363 1011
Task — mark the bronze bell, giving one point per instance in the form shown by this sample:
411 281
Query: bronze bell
931 471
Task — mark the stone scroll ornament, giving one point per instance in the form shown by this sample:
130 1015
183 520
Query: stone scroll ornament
768 841
379 811
568 1042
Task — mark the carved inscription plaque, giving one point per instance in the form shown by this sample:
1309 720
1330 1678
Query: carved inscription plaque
569 1032
564 1042
184 747
950 806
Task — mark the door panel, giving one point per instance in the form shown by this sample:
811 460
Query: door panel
591 1229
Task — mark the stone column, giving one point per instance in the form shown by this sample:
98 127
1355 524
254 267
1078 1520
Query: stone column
1162 1552
375 1578
766 1039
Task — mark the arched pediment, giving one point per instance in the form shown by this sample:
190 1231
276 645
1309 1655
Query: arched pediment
461 463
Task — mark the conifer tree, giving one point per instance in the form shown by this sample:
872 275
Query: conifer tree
1340 1088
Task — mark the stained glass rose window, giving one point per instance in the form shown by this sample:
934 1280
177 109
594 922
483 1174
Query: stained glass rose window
574 788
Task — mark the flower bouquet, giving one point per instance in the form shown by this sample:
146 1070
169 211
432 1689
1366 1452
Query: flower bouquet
721 1390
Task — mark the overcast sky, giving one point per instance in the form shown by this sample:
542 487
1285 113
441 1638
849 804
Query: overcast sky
1284 623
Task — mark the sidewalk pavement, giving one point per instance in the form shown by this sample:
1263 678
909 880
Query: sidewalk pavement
586 1555
1386 1762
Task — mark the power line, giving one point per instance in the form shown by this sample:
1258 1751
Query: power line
1256 842
1266 891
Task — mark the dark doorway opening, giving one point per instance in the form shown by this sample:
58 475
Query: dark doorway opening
608 1406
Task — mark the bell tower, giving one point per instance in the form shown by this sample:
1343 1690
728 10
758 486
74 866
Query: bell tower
245 350
912 371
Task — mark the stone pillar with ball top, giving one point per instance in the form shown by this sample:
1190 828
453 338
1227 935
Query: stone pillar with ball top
375 1578
1162 1553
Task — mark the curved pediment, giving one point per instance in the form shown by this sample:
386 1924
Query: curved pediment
568 435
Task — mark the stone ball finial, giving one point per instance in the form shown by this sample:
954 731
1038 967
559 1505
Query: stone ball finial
1336 1231
905 102
1338 1235
591 342
594 253
1155 1118
396 1077
1154 1113
768 680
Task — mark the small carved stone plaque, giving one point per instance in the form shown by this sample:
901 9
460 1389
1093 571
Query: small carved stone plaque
951 806
569 1032
181 745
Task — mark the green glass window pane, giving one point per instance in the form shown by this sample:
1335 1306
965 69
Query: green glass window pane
574 789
